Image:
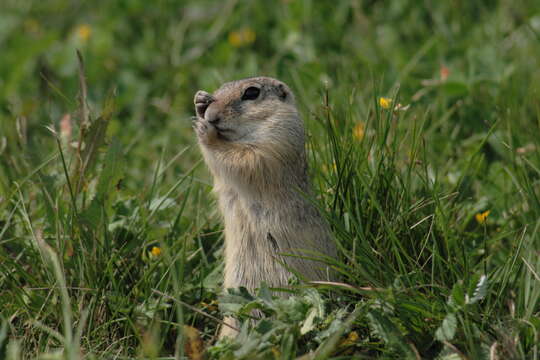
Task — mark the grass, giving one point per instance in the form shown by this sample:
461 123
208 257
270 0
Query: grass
110 242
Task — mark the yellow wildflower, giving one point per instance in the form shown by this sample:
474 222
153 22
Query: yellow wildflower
359 130
242 37
326 168
385 102
83 31
482 217
351 339
156 251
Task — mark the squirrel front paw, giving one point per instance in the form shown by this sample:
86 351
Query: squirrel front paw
206 133
202 100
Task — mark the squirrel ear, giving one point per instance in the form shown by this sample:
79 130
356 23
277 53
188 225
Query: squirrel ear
282 92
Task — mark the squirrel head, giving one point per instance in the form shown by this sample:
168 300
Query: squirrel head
256 111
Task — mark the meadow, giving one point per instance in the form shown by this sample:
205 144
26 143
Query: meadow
423 120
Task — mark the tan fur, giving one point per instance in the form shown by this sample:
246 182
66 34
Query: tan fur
255 151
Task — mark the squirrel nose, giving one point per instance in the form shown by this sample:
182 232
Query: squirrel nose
212 115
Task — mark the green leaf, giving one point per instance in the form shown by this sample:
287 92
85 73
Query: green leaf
309 323
161 203
447 330
386 329
264 326
92 215
112 172
480 291
235 300
3 339
316 312
457 298
264 293
213 280
288 346
452 356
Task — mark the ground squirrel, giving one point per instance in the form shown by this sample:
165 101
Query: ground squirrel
252 139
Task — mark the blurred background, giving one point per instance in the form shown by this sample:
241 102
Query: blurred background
154 56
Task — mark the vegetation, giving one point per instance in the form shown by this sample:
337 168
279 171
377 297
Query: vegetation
424 149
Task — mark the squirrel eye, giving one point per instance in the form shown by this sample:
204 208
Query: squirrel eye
251 93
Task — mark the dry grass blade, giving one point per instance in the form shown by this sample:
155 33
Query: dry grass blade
345 286
83 92
91 133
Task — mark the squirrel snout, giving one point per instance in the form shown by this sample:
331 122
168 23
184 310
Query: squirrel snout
212 115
